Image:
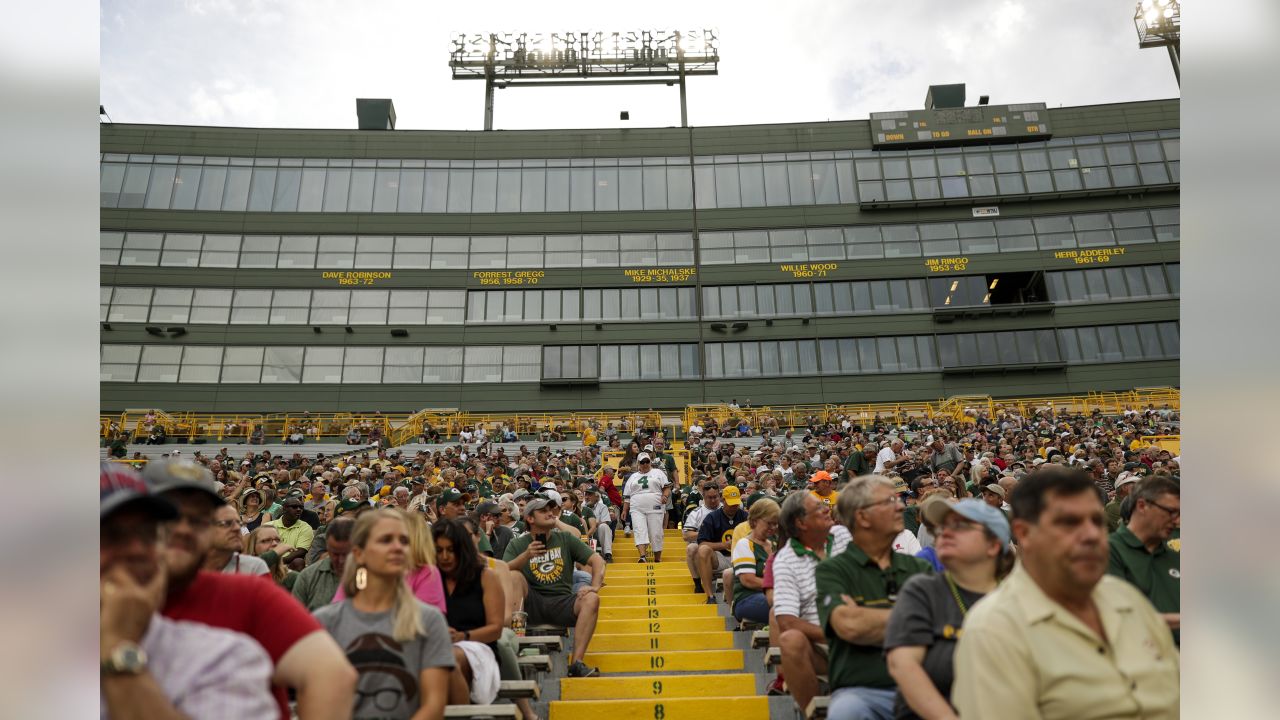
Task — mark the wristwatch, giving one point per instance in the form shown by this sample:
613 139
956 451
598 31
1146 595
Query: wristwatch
127 658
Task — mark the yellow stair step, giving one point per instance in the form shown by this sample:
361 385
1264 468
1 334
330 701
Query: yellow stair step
739 708
665 661
661 569
638 642
634 559
660 626
659 612
662 687
642 601
642 582
609 591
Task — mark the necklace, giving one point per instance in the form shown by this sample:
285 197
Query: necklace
955 593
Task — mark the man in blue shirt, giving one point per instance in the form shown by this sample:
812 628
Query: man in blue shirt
715 539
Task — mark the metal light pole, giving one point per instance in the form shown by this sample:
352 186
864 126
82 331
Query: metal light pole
1159 23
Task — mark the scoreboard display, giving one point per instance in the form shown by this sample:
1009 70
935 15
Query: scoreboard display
959 126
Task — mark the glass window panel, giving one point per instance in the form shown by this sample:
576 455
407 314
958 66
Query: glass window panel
789 357
484 191
808 350
330 307
606 188
459 195
800 181
1038 182
867 361
953 187
845 359
609 369
533 304
978 163
360 198
591 307
1119 153
766 301
1124 175
868 169
824 301
1010 184
185 187
908 361
110 182
631 189
160 191
1034 160
732 360
715 360
1132 277
1156 284
408 307
896 168
259 251
386 190
679 188
533 189
171 305
508 199
923 167
926 189
655 188
727 187
904 249
1129 344
629 360
262 189
668 308
181 250
336 251
1006 161
141 249
442 365
1109 344
1150 341
888 351
1169 338
871 191
297 251
581 190
130 305
282 365
895 190
336 190
825 188
704 180
288 185
1091 155
967 349
776 190
611 303
1057 286
311 190
1067 180
948 353
1153 173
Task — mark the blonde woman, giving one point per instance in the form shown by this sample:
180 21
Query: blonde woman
423 578
264 543
749 557
399 646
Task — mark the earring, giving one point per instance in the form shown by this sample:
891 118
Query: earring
362 578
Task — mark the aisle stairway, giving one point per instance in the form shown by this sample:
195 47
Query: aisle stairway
663 653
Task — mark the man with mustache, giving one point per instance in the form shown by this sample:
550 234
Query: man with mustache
1060 638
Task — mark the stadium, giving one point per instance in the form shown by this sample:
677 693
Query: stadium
381 295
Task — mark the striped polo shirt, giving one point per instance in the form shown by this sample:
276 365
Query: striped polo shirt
794 589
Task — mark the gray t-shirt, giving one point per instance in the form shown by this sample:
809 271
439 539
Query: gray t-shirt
389 670
241 564
926 615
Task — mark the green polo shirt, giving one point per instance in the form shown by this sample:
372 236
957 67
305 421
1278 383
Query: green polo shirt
854 574
911 519
1156 574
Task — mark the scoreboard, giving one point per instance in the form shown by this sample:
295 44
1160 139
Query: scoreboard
959 126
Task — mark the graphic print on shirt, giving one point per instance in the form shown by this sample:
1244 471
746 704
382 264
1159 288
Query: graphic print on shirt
547 567
385 682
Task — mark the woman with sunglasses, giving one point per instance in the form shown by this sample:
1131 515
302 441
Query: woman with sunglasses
973 547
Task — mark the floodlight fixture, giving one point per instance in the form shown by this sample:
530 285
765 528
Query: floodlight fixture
1159 24
640 57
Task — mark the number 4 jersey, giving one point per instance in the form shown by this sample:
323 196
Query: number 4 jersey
644 490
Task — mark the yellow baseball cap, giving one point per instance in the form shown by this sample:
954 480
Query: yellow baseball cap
731 495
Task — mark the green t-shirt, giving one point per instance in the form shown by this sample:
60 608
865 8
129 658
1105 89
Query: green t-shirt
1157 575
550 573
854 574
574 520
911 519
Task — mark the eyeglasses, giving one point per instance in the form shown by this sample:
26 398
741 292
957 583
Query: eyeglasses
224 524
891 500
1173 512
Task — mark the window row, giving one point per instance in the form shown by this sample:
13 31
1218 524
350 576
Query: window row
1051 232
395 186
401 252
671 361
732 302
1134 282
668 361
216 306
1057 142
329 365
968 237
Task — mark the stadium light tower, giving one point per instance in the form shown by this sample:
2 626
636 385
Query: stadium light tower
1159 23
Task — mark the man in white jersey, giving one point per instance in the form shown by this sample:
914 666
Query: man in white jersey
645 497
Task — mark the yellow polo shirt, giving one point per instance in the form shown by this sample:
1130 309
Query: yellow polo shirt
1022 655
299 536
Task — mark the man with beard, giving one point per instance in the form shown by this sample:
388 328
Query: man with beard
1060 638
304 655
154 667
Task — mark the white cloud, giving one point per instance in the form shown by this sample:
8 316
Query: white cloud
302 63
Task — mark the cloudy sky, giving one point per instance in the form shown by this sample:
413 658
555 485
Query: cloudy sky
302 63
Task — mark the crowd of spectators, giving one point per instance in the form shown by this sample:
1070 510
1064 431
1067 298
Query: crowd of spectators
389 584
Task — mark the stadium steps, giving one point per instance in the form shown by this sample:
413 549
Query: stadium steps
663 653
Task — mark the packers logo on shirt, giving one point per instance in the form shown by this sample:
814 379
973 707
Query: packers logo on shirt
548 567
1175 545
727 536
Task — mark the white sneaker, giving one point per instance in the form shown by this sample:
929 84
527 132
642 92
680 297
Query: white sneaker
627 532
